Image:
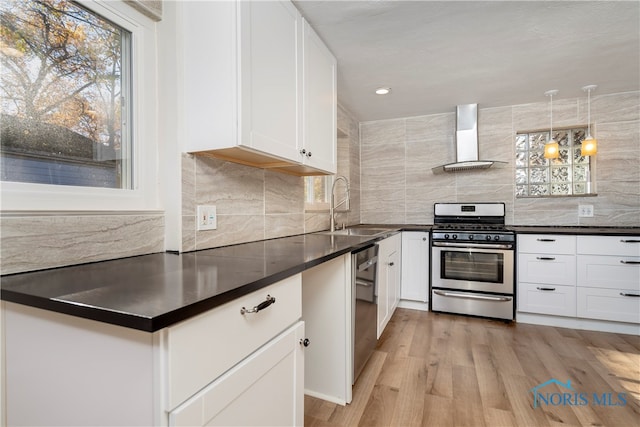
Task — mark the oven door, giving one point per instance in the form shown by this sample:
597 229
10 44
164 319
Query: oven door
480 269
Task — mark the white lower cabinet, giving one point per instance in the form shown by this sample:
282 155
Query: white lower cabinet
609 304
547 274
584 277
415 266
388 278
608 275
267 389
220 367
547 299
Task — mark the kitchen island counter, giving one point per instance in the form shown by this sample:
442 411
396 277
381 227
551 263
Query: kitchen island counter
151 292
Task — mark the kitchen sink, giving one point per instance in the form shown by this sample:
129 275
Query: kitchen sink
356 232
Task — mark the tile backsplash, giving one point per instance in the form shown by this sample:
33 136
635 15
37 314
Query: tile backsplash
388 164
397 155
254 204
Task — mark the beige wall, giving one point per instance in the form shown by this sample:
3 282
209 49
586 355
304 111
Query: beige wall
397 185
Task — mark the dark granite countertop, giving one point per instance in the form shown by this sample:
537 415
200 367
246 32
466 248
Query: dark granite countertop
150 292
580 230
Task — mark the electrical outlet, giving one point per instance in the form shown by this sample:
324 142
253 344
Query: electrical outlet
585 211
207 218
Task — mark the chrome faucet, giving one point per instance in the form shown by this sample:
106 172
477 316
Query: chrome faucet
333 205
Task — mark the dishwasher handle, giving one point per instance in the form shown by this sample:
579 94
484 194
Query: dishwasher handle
368 263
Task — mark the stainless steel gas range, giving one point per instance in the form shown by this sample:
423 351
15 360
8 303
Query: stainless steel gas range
472 256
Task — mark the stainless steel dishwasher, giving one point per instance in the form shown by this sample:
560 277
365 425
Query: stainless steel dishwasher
365 305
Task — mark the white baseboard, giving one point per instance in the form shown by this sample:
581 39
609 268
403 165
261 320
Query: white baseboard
576 323
326 397
414 305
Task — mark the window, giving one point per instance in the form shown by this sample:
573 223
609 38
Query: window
78 105
65 96
317 190
536 176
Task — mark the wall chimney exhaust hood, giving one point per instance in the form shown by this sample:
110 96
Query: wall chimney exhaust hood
466 142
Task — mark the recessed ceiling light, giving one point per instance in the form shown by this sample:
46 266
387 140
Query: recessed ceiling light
383 90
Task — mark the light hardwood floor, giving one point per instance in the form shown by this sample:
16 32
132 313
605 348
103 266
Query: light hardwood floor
446 370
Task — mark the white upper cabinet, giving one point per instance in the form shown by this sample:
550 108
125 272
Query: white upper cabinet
319 106
243 87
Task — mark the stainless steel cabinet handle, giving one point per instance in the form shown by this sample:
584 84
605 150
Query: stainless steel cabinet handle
624 294
629 241
629 262
264 304
545 289
546 240
545 258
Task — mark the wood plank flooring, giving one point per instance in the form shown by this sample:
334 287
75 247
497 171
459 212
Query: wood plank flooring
446 370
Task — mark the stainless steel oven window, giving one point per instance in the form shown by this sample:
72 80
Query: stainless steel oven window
472 266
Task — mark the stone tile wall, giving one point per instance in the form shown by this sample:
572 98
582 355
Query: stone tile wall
254 204
397 185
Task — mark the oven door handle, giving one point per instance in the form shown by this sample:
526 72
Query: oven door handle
474 245
471 296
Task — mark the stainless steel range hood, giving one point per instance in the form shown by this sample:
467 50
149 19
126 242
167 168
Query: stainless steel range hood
466 142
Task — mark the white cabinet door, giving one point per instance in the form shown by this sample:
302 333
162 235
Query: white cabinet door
319 103
241 82
551 269
547 299
194 356
267 388
609 304
614 272
327 313
271 77
415 266
388 278
547 244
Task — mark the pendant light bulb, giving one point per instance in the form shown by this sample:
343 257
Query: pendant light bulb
590 144
551 148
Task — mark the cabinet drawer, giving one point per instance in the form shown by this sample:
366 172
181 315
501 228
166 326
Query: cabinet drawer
266 388
202 348
547 299
613 272
609 304
547 269
609 245
547 244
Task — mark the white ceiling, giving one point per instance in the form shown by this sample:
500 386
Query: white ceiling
439 54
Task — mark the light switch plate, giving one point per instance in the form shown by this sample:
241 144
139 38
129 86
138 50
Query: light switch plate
207 218
585 211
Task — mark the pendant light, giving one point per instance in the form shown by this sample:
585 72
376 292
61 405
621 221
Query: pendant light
551 148
590 144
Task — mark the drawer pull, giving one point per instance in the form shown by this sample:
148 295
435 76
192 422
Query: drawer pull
264 304
545 258
624 294
305 342
629 262
545 289
546 240
629 241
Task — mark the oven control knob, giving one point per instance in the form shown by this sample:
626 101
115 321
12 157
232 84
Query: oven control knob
446 236
496 238
489 237
471 237
455 236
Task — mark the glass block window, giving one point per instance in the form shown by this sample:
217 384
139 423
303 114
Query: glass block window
539 177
